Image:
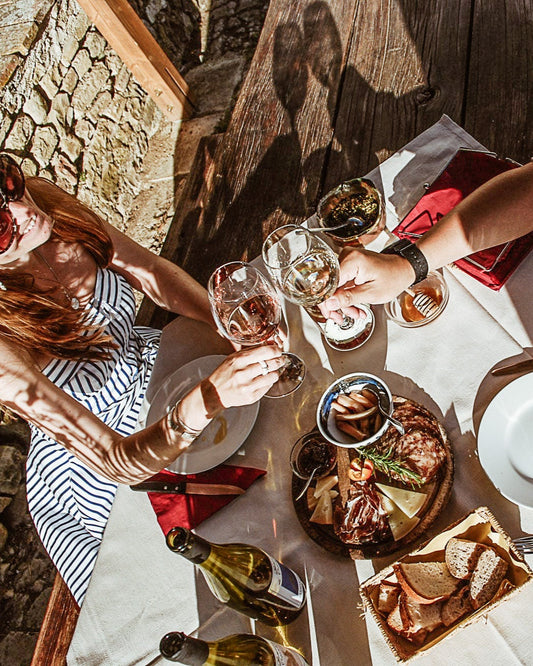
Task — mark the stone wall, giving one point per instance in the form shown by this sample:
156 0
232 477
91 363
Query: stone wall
74 113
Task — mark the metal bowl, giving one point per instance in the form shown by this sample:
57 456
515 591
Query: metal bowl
326 420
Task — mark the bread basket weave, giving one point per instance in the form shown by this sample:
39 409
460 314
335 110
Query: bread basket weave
480 525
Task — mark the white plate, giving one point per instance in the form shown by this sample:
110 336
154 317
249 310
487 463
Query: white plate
505 441
203 454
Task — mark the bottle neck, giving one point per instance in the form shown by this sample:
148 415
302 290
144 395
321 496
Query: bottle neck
183 541
177 646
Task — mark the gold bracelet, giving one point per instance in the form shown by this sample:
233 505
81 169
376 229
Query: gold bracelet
176 424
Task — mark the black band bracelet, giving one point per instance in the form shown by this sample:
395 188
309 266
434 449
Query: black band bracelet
404 248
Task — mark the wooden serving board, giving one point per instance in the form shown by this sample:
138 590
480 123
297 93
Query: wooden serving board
438 492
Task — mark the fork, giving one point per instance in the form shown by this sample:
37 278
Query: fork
524 544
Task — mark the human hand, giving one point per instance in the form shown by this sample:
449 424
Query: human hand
366 277
242 378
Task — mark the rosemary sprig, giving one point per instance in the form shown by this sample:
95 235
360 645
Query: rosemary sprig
385 462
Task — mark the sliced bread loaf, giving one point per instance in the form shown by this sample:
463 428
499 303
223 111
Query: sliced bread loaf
462 556
388 596
486 577
458 605
426 582
414 621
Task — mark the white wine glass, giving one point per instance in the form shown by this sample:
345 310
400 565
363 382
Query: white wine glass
247 310
306 271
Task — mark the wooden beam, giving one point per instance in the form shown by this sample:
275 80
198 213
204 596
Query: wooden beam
142 55
58 627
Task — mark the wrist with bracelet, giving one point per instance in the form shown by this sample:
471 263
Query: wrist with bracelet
409 251
175 423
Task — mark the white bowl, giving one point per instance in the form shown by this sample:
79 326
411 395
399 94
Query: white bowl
326 420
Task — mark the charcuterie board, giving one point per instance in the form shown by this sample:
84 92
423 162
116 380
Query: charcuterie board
436 491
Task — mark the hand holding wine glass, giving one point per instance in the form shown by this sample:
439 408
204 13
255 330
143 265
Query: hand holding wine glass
247 310
306 270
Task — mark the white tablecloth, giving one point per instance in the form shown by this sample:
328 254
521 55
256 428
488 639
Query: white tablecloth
140 590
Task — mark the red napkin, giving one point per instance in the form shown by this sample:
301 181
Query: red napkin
190 510
467 170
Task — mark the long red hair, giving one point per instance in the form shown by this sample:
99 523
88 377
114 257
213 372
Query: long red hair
28 316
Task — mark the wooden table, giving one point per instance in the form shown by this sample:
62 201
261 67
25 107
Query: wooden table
333 90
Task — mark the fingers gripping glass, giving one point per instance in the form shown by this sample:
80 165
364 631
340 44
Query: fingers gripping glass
246 309
11 189
306 271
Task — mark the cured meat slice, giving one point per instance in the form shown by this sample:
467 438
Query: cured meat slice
421 448
361 519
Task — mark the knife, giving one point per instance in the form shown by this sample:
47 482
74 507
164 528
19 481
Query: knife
187 488
521 366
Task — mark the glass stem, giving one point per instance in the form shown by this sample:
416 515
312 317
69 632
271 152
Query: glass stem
347 322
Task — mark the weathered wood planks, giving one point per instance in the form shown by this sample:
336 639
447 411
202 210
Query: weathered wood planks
269 166
406 66
499 95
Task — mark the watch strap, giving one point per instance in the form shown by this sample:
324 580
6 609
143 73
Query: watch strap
404 248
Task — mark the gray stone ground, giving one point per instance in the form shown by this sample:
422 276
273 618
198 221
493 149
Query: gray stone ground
214 60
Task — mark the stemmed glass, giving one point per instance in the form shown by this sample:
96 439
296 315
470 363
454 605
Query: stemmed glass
247 310
306 271
351 211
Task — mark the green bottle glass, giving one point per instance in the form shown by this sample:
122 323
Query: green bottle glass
244 577
236 650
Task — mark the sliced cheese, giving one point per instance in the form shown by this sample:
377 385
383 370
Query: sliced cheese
312 501
388 505
324 484
400 524
323 513
409 501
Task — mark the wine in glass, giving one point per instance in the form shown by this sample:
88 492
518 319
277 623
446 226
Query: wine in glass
352 214
247 310
306 271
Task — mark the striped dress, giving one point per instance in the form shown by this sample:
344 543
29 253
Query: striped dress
69 503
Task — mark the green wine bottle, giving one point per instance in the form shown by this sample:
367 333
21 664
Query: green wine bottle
241 649
244 577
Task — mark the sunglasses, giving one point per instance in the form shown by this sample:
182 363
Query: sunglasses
11 189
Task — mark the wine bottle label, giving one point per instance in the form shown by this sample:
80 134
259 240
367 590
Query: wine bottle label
286 585
285 656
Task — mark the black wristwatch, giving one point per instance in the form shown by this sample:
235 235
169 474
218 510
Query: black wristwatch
414 256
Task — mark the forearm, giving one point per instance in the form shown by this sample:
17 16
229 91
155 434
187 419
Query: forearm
166 284
499 211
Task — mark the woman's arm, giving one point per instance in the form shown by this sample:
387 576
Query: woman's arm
31 395
498 211
166 284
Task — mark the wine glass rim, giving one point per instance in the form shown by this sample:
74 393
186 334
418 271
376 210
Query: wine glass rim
237 263
293 259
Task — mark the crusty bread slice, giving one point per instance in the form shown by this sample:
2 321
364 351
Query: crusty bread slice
426 582
458 605
420 616
505 587
486 577
414 621
396 623
388 596
462 556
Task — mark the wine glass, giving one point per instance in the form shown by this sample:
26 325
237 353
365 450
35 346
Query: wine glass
352 211
306 271
247 310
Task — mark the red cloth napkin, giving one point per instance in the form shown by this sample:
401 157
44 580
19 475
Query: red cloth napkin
190 510
467 170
